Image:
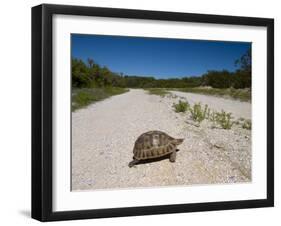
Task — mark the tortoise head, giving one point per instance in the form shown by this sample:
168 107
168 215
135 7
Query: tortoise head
177 141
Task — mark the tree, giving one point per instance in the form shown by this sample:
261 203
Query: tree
241 80
245 62
218 79
80 73
90 62
243 76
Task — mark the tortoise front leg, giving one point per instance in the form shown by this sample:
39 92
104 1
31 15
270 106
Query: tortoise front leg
173 156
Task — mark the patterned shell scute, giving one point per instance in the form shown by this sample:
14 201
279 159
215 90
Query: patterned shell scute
153 144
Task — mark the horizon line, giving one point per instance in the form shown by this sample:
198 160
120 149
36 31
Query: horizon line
150 76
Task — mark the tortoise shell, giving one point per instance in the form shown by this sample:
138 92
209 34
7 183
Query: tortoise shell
154 144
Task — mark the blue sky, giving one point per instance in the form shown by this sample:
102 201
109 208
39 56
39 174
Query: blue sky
158 57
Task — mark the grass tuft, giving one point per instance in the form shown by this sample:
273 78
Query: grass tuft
181 106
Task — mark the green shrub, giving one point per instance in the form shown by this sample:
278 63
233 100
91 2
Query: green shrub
158 91
198 113
181 106
224 119
242 80
218 79
212 116
247 124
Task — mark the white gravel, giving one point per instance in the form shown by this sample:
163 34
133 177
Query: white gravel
103 135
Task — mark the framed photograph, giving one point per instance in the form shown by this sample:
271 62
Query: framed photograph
145 112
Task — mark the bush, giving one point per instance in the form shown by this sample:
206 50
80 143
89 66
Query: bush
239 79
218 79
242 80
247 124
198 113
181 106
224 119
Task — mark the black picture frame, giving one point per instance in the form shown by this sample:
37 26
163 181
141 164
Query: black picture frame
42 111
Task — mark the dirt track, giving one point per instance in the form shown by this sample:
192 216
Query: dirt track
103 135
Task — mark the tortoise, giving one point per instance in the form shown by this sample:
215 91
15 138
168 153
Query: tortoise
154 144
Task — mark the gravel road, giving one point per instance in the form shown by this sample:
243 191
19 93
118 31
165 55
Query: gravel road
103 136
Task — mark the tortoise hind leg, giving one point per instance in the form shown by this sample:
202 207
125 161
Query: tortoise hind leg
173 156
132 163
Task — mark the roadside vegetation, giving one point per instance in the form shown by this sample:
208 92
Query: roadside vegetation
224 119
231 83
90 74
247 124
92 82
198 113
97 82
237 94
181 106
157 91
82 97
